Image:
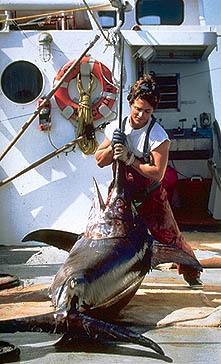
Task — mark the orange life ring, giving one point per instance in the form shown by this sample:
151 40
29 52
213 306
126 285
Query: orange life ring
100 108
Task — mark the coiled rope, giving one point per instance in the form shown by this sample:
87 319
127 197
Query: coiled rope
85 119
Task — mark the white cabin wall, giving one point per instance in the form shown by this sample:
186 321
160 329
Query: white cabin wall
196 98
191 14
58 193
131 77
195 92
215 71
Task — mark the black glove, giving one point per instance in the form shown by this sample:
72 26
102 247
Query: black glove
118 137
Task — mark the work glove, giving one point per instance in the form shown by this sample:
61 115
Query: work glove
121 153
118 137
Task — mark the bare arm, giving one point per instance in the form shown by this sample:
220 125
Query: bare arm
154 170
104 153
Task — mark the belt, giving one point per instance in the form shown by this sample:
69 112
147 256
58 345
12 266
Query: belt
140 196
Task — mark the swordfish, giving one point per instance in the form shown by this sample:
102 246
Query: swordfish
103 271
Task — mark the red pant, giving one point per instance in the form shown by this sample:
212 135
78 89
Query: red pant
158 217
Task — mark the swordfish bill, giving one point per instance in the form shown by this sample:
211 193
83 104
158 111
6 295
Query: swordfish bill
103 271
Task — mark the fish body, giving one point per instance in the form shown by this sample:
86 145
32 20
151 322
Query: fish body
108 263
103 271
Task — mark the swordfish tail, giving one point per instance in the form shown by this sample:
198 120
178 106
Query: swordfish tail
58 323
103 330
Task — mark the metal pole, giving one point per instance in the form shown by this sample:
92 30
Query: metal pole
40 161
97 23
121 83
47 97
49 156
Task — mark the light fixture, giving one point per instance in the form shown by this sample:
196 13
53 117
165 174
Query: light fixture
44 41
145 53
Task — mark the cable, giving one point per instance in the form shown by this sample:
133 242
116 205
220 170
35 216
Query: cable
56 148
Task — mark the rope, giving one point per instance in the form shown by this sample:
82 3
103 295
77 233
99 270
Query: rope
48 14
85 119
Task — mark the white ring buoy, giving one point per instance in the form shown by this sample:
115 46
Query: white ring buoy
100 108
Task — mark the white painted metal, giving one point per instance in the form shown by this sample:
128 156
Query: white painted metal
214 65
58 193
201 13
48 5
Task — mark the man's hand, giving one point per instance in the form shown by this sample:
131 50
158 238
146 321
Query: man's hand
121 153
118 137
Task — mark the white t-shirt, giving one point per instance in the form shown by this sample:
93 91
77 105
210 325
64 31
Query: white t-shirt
136 137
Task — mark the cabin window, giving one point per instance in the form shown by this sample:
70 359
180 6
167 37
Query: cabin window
108 18
169 91
163 12
21 82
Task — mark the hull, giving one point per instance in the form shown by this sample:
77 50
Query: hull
52 194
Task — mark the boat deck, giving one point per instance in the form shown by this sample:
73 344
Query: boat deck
185 322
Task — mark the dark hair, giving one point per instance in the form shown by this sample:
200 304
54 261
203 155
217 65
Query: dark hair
147 89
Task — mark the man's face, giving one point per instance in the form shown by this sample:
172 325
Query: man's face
140 112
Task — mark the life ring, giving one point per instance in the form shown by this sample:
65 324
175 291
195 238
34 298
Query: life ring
102 107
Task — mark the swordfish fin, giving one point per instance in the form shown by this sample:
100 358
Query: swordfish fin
162 253
97 208
60 239
98 199
103 330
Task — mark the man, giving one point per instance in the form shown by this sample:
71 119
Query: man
144 148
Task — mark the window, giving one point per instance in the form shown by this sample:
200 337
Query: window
169 91
108 19
21 82
164 12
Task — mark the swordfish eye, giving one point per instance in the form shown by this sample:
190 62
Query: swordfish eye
120 205
119 202
72 283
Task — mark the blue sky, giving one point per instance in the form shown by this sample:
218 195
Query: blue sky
212 12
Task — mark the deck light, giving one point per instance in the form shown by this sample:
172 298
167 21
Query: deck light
44 41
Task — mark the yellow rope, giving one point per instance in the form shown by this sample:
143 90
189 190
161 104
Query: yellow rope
85 117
